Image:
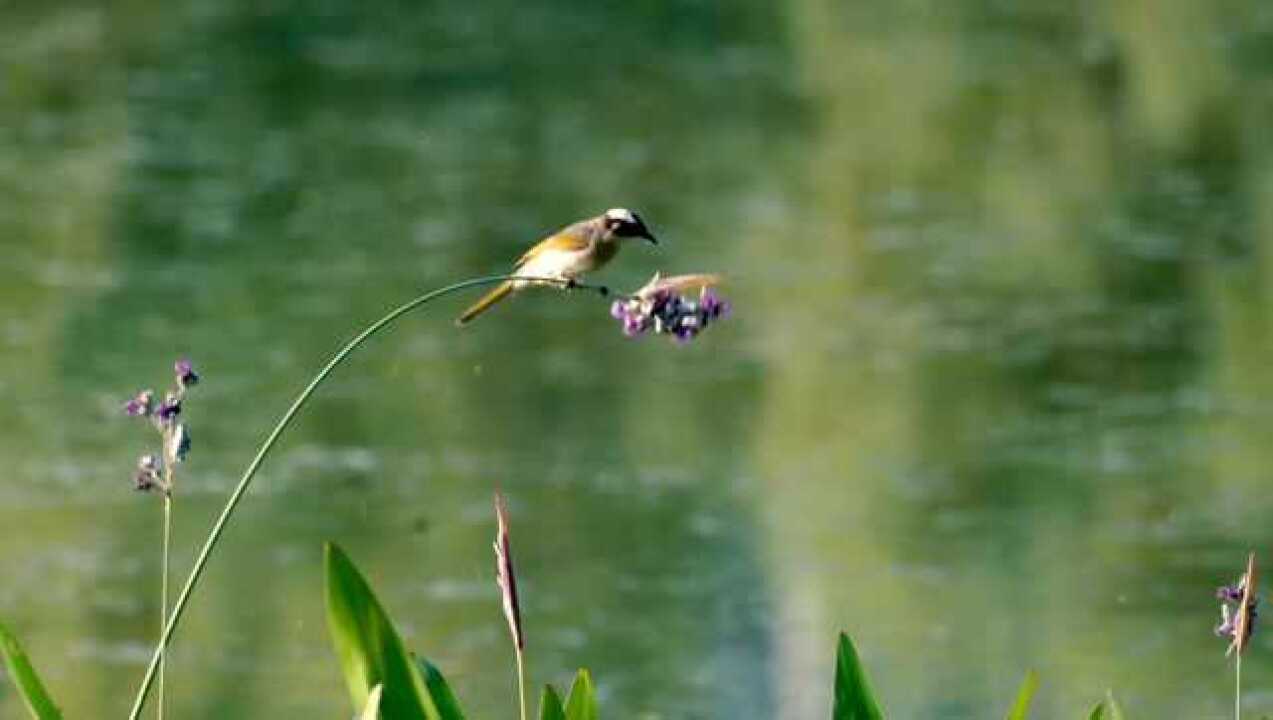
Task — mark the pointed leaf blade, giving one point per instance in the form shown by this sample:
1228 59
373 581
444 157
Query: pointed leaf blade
37 699
1021 708
853 697
370 650
1107 709
582 702
439 690
1115 710
372 711
550 705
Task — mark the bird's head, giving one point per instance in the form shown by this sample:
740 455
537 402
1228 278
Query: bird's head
623 223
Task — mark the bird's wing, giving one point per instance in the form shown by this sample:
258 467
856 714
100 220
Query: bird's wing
567 240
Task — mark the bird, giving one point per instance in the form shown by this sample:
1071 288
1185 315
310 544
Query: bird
567 255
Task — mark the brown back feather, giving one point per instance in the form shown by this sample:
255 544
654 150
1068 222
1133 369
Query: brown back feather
570 238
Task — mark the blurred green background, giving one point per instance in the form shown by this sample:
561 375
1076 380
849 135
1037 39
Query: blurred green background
996 394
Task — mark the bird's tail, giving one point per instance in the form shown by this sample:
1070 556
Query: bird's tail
499 293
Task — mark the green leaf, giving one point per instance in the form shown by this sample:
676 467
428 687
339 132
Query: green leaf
853 698
582 702
1107 709
439 691
37 699
550 705
372 711
1021 708
370 650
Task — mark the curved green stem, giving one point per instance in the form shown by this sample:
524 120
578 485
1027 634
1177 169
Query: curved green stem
214 535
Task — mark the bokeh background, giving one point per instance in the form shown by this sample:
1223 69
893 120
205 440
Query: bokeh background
996 394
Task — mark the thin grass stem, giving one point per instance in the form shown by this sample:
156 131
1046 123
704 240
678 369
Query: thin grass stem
1237 691
163 597
218 527
521 681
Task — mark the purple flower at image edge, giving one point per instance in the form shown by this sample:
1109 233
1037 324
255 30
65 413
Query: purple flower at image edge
1239 609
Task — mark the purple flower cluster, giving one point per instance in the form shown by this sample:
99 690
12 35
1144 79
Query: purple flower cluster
186 376
662 307
150 474
1238 611
155 471
1230 593
141 405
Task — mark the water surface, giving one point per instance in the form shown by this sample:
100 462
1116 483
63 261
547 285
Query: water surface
995 395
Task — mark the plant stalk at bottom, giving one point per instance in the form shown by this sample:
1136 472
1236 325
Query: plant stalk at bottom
218 527
1237 688
521 682
163 599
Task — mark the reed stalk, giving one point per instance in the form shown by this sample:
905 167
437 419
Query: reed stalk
506 578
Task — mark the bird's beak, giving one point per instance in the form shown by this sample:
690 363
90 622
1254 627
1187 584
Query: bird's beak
644 232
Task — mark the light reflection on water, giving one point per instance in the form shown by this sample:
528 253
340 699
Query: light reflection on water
995 395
